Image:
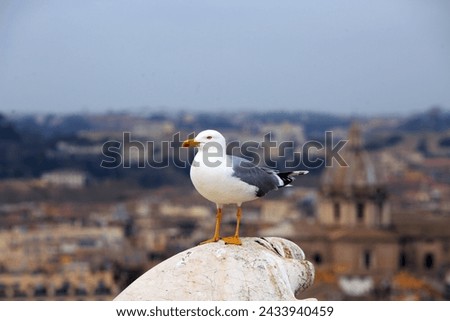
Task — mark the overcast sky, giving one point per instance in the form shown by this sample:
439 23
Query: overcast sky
354 56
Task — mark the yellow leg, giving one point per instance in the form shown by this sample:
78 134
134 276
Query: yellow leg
235 238
216 236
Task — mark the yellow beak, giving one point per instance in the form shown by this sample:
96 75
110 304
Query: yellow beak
190 143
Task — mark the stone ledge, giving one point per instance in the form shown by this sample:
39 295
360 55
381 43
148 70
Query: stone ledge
261 269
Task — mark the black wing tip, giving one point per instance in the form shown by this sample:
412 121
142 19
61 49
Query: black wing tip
288 177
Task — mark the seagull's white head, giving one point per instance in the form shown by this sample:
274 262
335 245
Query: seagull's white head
207 139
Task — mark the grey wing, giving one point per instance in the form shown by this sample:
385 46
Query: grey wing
265 179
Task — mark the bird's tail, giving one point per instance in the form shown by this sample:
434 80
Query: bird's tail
288 177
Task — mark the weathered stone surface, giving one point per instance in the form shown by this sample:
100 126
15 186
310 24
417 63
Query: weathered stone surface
261 269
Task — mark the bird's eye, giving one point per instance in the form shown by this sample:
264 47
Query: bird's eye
209 137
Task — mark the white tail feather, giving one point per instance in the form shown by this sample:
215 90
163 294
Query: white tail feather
296 173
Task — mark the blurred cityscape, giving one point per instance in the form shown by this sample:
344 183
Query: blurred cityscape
71 229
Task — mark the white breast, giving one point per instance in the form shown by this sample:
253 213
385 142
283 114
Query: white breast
217 183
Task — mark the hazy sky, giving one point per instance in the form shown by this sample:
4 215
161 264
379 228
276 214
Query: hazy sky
352 56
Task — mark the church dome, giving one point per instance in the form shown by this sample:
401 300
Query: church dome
360 174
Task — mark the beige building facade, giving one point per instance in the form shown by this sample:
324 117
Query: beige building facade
359 238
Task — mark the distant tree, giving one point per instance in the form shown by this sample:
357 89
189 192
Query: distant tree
422 146
444 142
435 119
7 130
384 142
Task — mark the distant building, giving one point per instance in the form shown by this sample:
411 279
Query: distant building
68 285
60 262
354 195
65 178
359 246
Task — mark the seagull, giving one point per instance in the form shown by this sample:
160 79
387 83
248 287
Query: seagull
226 179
